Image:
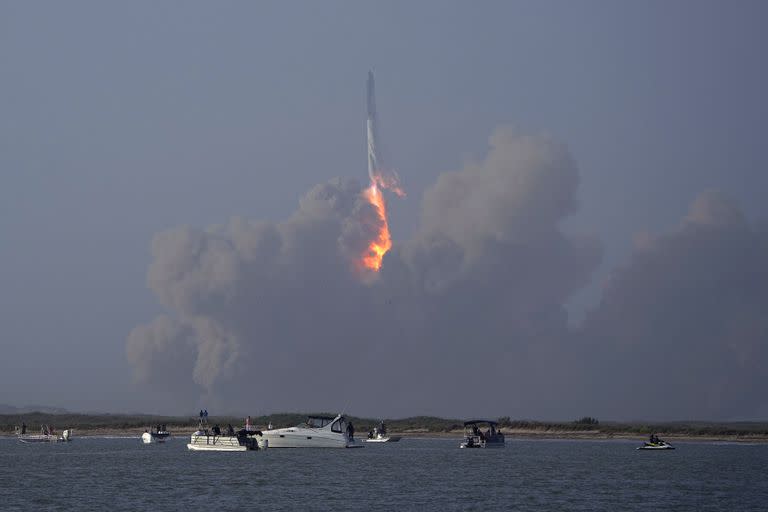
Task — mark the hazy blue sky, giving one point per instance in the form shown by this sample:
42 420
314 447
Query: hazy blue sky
119 121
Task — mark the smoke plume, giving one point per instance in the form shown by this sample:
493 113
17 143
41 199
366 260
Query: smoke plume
467 316
681 331
476 294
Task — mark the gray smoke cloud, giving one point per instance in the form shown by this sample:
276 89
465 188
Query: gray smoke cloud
473 302
467 316
681 331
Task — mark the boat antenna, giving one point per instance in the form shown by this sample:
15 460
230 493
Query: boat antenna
344 410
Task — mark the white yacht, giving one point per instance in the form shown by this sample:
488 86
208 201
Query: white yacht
317 432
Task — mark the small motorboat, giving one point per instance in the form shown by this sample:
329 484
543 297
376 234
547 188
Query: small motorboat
379 435
474 437
657 445
383 439
157 435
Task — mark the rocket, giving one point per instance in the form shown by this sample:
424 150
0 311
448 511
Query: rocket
381 177
373 159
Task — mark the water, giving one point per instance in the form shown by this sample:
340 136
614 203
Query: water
415 474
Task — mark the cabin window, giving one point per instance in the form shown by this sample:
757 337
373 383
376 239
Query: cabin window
337 426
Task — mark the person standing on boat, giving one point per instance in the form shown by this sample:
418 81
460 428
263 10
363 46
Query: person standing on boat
350 431
23 428
248 426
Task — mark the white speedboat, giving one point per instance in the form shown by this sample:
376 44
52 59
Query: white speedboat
242 441
317 432
474 437
379 435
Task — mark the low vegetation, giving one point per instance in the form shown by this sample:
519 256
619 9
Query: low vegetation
417 424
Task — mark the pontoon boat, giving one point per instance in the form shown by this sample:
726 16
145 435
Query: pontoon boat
475 437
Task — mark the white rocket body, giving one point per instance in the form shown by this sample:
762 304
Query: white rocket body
373 163
373 158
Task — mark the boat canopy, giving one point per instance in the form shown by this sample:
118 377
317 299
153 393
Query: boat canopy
475 422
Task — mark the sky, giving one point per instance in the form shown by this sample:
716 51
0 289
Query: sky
583 233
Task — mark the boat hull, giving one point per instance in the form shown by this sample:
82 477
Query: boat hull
152 437
306 438
476 442
216 448
387 439
224 443
484 445
648 447
38 439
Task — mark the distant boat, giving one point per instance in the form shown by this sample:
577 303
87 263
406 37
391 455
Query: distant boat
474 437
379 435
317 432
656 444
157 435
214 440
47 435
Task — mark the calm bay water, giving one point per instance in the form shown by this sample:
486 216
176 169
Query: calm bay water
415 474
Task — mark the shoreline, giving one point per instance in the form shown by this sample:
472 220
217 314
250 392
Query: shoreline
511 434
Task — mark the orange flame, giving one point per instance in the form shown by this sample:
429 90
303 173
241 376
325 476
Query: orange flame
390 181
382 242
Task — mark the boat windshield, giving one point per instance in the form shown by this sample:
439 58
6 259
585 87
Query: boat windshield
339 426
318 421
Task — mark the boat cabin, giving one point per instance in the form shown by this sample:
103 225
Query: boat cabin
338 423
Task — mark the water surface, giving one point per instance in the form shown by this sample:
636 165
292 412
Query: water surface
415 474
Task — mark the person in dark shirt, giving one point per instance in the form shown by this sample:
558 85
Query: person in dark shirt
350 431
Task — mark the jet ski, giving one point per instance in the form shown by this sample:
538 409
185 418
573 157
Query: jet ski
658 445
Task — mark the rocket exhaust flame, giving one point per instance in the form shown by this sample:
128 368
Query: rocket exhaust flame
381 179
382 242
